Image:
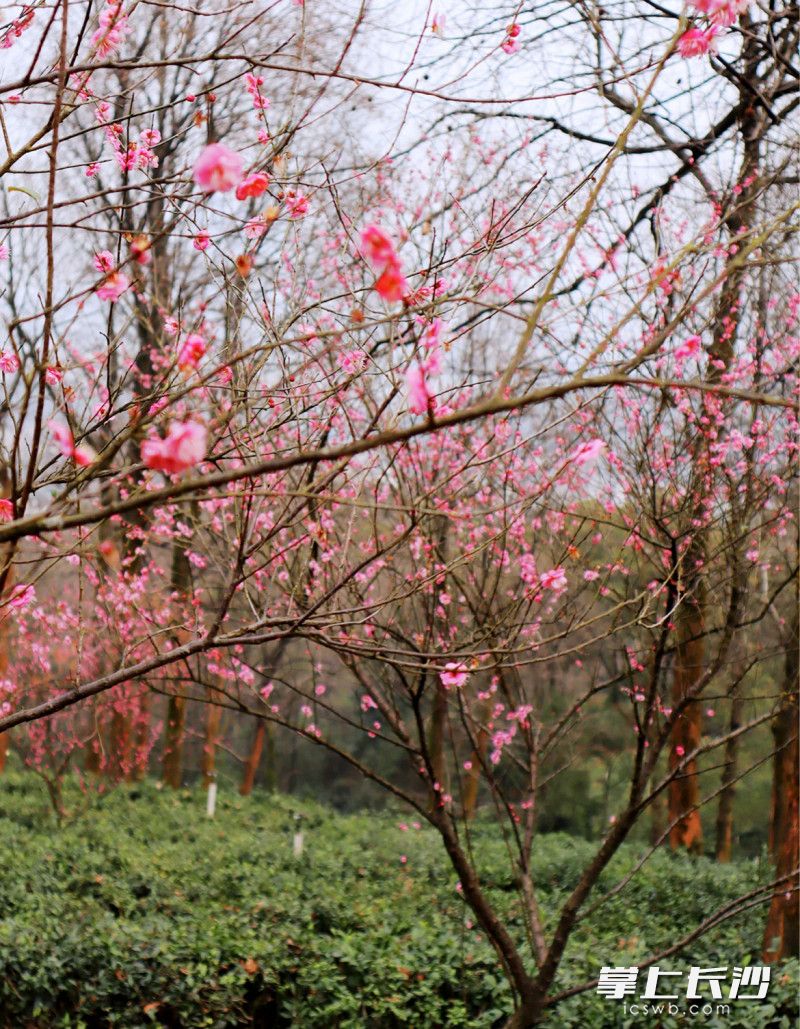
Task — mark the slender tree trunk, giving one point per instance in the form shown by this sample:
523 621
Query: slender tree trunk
140 741
172 767
684 791
724 841
5 624
436 737
253 759
472 780
782 932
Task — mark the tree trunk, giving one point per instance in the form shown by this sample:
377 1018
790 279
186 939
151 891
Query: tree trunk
724 841
436 741
472 780
782 932
684 790
253 759
173 742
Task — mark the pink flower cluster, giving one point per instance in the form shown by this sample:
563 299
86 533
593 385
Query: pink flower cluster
113 29
511 44
184 446
115 283
82 456
720 14
17 27
378 250
254 84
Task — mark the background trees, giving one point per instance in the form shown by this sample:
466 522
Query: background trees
409 387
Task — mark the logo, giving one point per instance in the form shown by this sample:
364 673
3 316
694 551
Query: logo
704 992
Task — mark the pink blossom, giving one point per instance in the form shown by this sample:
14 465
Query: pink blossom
185 445
218 169
297 203
201 241
587 453
555 579
113 29
378 250
255 228
695 42
418 395
82 456
453 674
438 24
252 186
391 284
53 375
9 362
22 596
6 510
3 252
194 347
113 287
721 12
690 348
150 137
104 261
377 247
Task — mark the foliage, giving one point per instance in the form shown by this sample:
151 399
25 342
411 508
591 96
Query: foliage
145 912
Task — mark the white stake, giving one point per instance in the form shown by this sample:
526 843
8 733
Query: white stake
211 800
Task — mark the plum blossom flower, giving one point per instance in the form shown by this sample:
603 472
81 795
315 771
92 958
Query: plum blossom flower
9 362
22 596
378 250
453 675
555 580
696 42
113 287
6 510
104 261
218 169
418 396
201 241
438 24
82 456
587 453
721 12
150 137
690 348
184 446
510 44
297 203
252 186
193 349
16 28
113 30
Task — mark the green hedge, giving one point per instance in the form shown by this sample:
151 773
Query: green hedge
142 912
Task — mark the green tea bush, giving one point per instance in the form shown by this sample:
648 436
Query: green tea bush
143 912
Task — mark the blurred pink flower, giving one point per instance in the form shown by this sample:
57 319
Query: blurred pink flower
185 445
218 169
696 42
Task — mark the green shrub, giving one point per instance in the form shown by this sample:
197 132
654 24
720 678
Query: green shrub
143 912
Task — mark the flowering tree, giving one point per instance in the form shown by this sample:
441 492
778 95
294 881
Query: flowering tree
477 412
